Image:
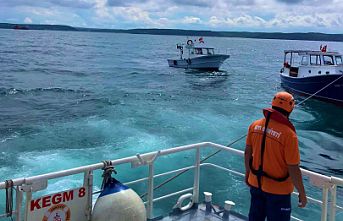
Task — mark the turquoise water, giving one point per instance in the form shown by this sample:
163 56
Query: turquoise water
71 98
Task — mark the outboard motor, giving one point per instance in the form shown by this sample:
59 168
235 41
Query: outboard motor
116 201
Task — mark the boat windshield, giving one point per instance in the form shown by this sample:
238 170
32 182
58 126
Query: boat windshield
304 60
294 60
339 60
210 51
206 51
315 59
328 60
198 51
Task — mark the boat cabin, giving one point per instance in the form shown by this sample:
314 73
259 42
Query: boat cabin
301 63
202 51
194 51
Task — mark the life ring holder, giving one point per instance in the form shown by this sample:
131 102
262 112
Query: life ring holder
181 199
189 42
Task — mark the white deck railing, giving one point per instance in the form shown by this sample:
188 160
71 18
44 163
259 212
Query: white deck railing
328 184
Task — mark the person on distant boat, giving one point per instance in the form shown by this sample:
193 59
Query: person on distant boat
272 162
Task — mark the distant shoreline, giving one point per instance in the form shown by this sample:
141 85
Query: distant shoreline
310 36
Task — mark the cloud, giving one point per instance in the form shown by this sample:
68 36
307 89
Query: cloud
307 2
283 21
119 3
49 3
132 15
320 20
198 3
291 1
244 20
101 9
191 20
52 16
263 15
42 12
28 20
73 3
183 3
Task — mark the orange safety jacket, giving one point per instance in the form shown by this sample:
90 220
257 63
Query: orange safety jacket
273 149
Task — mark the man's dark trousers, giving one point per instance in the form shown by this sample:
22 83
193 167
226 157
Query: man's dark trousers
264 205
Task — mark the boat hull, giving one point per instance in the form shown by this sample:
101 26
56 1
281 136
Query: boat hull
211 62
313 84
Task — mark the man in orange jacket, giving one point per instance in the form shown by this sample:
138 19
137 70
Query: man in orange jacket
272 162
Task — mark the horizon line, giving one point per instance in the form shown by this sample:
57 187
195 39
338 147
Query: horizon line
181 29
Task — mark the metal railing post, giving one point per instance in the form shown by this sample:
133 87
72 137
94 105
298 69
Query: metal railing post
88 181
27 204
196 177
19 200
150 203
333 202
325 203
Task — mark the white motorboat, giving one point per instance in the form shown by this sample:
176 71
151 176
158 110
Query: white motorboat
197 56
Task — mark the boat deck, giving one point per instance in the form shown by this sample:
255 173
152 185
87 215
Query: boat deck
199 214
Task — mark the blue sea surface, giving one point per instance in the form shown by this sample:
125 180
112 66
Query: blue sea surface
69 99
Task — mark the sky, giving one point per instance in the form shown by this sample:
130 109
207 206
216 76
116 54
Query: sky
217 15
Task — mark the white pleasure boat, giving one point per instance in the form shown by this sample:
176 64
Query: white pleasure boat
197 56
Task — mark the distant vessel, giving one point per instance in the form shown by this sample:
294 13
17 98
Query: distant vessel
198 56
318 73
19 27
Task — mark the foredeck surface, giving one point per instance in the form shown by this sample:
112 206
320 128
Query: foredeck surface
199 214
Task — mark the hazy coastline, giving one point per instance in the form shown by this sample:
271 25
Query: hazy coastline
309 36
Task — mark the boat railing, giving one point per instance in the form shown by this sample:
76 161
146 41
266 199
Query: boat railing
30 185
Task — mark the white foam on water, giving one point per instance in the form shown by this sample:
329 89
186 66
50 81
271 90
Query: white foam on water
301 116
11 137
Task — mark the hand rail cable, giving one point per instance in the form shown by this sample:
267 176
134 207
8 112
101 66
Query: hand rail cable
184 171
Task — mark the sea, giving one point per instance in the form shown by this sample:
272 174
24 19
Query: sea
69 99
